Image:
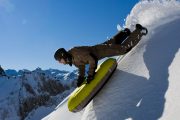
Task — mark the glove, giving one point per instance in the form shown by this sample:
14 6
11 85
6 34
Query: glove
89 79
80 81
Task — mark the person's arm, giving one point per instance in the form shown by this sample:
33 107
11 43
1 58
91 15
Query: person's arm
80 79
92 65
81 70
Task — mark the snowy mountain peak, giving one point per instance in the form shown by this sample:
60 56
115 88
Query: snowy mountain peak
25 91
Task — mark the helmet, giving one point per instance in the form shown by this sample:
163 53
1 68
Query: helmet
61 53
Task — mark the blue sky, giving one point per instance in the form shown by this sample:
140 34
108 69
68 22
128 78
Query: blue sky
32 30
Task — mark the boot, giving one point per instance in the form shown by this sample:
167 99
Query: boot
143 30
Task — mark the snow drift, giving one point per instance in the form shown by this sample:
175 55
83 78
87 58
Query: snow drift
146 83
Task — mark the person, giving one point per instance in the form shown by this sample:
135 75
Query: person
79 56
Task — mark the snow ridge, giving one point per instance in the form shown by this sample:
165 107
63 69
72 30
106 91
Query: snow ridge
153 13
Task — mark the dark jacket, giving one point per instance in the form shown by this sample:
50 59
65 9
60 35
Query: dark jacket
91 54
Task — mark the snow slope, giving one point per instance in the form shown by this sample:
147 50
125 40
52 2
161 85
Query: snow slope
61 112
146 84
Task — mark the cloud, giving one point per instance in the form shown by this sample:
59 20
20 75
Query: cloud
6 5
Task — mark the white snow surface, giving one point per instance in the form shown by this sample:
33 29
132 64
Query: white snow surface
146 84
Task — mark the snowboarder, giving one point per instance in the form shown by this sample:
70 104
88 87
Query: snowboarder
120 44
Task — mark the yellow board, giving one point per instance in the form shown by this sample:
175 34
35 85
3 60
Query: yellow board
82 95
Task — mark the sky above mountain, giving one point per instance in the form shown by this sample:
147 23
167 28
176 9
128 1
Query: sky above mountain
31 31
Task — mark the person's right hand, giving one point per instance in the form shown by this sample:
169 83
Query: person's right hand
80 80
